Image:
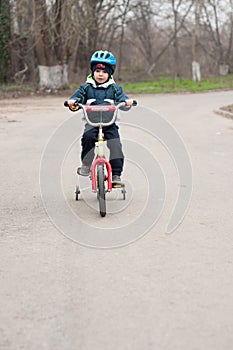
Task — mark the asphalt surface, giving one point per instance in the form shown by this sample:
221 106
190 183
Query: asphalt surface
152 291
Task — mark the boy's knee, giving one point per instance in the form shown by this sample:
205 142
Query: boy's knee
115 148
89 137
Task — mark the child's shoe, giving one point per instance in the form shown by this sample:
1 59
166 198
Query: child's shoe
116 181
84 170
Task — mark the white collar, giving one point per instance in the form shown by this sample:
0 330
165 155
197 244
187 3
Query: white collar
91 81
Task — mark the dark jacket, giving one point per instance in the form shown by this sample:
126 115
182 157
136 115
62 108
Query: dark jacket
91 93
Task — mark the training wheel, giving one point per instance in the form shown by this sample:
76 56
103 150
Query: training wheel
123 191
77 192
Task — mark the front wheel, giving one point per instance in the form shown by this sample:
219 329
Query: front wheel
101 190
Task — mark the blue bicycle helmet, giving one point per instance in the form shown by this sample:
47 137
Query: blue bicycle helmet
103 57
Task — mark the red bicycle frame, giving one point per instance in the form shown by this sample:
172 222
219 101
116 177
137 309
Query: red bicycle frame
101 160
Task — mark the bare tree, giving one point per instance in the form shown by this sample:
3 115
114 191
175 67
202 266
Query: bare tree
21 42
142 29
123 15
175 24
51 42
97 29
51 38
217 14
5 21
176 58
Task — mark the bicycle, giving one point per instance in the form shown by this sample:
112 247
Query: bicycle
101 170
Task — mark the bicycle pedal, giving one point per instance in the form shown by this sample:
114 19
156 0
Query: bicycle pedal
117 185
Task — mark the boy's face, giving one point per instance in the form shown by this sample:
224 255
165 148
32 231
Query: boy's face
100 75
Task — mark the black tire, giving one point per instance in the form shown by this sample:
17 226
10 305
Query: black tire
101 190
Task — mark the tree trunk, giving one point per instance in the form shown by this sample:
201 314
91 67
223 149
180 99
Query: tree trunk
196 70
5 34
123 19
52 71
223 69
53 77
176 64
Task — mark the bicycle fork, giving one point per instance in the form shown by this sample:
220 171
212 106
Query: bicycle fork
101 160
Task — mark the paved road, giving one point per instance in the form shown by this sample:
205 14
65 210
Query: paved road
162 291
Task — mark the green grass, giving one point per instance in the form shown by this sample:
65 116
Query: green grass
13 87
159 85
168 85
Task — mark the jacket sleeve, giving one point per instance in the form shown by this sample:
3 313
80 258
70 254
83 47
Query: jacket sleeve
80 94
121 97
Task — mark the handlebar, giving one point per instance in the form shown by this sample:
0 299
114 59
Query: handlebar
99 108
77 103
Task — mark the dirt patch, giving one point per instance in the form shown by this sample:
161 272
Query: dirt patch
226 111
228 108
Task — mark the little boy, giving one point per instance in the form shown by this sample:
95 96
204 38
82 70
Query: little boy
100 88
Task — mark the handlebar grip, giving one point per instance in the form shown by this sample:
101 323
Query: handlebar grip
135 103
76 103
75 107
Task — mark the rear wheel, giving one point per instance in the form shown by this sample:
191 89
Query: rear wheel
101 190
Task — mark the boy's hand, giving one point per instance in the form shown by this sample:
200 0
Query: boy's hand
71 102
129 103
72 107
